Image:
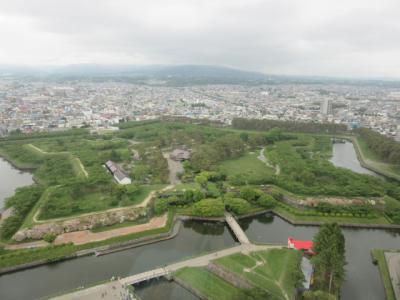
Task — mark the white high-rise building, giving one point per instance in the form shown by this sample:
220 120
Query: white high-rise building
326 107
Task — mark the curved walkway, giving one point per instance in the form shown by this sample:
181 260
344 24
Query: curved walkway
265 160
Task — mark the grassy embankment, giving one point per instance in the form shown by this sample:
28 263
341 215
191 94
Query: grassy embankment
207 284
378 255
370 160
53 253
274 271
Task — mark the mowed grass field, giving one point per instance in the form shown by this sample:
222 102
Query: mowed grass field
248 166
273 271
208 284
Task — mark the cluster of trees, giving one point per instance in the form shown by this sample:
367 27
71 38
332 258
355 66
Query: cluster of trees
264 125
209 208
330 260
22 203
307 174
386 148
207 156
355 210
86 196
178 199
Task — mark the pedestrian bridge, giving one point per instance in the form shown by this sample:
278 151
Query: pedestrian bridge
237 230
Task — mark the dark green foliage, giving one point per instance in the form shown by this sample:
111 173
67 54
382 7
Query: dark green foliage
329 262
250 194
209 208
303 173
22 202
206 157
49 237
55 169
161 206
265 125
237 205
386 148
355 210
266 201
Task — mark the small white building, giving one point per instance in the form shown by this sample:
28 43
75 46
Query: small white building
118 173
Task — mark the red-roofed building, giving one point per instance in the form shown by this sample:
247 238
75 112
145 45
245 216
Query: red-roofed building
306 246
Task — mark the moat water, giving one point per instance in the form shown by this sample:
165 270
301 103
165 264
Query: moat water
344 155
363 280
10 179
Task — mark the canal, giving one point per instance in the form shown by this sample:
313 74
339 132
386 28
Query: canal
344 155
10 179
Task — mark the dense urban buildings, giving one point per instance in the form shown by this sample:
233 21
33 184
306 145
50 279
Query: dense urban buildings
32 105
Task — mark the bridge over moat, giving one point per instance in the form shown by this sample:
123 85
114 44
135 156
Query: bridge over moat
245 247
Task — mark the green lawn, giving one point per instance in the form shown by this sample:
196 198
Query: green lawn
272 270
63 205
379 256
248 166
208 284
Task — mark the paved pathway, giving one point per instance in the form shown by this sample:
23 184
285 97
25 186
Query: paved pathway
113 290
199 261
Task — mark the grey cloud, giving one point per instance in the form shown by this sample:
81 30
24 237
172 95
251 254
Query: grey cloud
312 37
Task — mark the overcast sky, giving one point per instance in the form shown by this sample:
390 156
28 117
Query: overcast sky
301 37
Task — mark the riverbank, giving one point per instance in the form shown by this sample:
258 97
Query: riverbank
372 165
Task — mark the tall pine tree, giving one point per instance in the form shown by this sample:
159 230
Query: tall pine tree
329 262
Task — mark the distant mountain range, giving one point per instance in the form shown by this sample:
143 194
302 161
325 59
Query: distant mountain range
172 75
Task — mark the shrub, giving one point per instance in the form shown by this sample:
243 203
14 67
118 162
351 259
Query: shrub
237 205
266 201
49 237
209 208
160 206
249 193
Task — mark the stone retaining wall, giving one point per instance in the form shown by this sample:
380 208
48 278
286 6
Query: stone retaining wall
80 223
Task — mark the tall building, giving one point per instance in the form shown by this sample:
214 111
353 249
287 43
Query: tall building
326 107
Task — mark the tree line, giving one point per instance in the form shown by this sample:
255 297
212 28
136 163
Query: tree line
292 126
386 148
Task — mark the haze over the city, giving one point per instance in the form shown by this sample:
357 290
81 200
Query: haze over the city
344 38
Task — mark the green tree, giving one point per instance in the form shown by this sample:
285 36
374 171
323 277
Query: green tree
329 262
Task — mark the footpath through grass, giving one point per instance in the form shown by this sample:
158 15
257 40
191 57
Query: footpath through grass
276 270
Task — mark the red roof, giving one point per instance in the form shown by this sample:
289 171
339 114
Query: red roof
300 245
